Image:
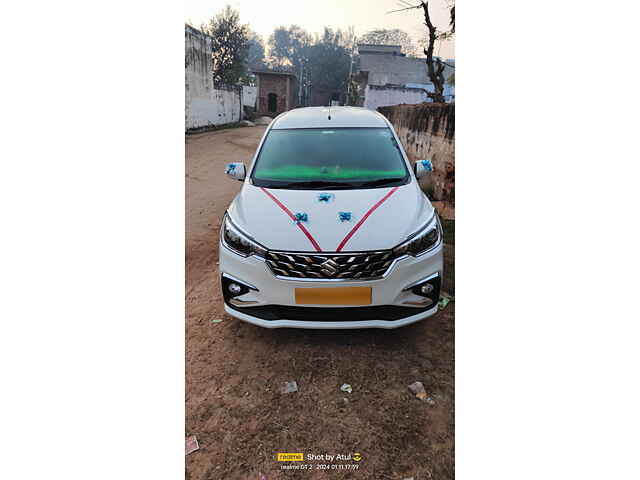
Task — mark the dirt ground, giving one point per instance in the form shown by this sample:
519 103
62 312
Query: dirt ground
234 371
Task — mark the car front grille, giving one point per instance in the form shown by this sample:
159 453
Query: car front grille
333 266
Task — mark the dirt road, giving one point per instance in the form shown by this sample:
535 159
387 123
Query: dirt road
234 370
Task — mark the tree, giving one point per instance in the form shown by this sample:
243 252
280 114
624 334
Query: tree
390 37
435 68
287 47
319 61
289 50
452 21
435 71
254 59
230 45
328 60
255 53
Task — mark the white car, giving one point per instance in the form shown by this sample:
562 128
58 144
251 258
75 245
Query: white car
330 228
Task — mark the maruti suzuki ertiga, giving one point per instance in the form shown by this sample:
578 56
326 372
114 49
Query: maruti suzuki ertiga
330 228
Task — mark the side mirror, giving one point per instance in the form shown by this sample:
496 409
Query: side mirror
422 168
236 170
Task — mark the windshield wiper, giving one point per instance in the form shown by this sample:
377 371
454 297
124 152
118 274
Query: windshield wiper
379 182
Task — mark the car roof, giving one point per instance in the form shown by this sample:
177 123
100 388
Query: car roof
329 117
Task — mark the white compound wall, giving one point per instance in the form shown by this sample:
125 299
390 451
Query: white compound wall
204 104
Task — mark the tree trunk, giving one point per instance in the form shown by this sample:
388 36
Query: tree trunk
435 73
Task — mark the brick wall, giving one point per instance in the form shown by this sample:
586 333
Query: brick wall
281 86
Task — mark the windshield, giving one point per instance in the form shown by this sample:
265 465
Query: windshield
319 158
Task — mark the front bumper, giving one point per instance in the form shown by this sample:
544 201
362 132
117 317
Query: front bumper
271 301
335 325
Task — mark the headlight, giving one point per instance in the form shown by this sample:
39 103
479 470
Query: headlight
424 240
234 239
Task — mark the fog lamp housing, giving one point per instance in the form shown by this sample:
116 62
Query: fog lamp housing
233 287
428 288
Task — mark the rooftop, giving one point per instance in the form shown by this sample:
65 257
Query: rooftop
384 45
318 117
272 72
373 49
195 31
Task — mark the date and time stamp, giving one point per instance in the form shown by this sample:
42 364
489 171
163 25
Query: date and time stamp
321 461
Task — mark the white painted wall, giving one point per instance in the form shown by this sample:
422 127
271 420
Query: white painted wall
205 105
249 96
394 69
375 97
219 107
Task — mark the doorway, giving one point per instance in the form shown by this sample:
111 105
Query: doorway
272 100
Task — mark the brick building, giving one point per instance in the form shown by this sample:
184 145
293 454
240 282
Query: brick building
277 92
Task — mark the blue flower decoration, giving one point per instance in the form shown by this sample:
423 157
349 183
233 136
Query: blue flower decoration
325 197
428 166
301 217
344 216
230 167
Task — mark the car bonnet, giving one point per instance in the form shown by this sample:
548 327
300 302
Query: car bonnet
330 220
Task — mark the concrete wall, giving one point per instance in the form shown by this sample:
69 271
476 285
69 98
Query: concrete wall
428 131
384 65
204 104
395 69
249 96
449 91
375 96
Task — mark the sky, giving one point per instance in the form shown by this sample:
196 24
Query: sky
264 16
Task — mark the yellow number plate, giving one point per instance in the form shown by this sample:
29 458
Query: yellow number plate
334 296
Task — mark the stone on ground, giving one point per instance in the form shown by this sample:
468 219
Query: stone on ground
190 445
262 121
290 387
418 390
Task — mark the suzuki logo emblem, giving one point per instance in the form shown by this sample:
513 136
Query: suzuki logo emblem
329 267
